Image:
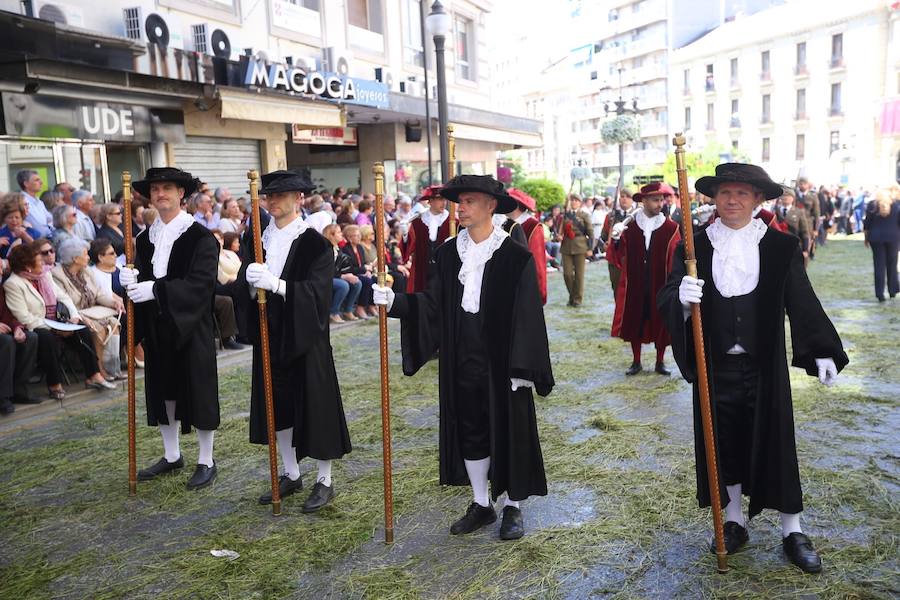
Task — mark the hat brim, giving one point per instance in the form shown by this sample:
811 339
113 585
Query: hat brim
505 202
143 186
708 184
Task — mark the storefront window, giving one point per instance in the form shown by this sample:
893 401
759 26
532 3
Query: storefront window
83 168
35 156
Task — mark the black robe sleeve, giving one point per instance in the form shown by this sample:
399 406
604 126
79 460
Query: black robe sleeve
680 329
812 333
307 307
518 234
420 322
529 350
181 299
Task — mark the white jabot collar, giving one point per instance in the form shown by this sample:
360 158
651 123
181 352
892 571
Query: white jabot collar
735 264
277 243
474 257
434 222
523 217
163 237
648 225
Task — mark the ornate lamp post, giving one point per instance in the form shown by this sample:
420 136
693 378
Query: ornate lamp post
619 111
439 24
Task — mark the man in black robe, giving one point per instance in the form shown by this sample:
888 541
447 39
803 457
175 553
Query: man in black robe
757 276
482 311
172 287
297 275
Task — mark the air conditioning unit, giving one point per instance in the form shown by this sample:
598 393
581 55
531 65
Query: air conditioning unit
162 36
412 87
258 54
384 75
214 41
309 63
337 60
59 12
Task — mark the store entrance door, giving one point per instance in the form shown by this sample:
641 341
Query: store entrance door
35 156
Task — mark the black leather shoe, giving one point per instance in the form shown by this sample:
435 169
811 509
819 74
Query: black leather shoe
320 495
231 344
800 551
735 538
477 516
286 487
202 477
512 527
662 370
634 369
161 467
7 407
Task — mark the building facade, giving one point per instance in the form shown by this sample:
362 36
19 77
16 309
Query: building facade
798 88
218 87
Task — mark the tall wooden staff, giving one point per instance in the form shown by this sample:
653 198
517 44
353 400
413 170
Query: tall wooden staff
129 336
451 171
378 171
265 356
709 442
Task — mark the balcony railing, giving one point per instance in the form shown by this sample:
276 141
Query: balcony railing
836 62
801 71
734 122
765 76
710 84
835 111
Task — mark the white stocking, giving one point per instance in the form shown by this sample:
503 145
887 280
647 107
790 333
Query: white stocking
285 439
733 510
324 474
478 477
205 442
169 433
790 524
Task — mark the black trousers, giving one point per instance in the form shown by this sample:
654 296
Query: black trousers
473 417
50 348
17 362
735 386
884 255
223 308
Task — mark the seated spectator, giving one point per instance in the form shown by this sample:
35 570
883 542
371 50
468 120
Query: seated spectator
203 211
318 217
105 272
14 231
33 210
367 242
365 309
395 265
64 219
18 355
33 297
364 216
84 224
231 217
345 215
229 261
52 199
148 216
137 218
346 286
111 227
99 311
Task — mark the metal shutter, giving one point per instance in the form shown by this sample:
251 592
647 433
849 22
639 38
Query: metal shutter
219 161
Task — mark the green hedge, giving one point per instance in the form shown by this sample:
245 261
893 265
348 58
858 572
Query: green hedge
545 192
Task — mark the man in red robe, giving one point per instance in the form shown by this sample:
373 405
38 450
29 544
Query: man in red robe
426 232
534 235
646 246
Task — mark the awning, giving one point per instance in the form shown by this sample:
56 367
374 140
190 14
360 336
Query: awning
498 136
890 118
252 107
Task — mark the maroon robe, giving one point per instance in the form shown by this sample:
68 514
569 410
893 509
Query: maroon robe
632 299
534 233
418 247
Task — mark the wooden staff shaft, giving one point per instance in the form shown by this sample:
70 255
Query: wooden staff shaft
129 337
451 172
378 171
709 441
265 355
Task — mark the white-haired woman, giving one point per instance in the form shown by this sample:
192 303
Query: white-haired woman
882 231
64 219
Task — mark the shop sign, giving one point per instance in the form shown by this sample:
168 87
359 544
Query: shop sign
31 115
330 86
328 136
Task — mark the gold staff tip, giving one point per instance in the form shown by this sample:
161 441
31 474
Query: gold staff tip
378 168
679 139
450 129
253 174
126 176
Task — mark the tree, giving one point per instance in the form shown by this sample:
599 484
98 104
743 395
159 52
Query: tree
697 164
545 192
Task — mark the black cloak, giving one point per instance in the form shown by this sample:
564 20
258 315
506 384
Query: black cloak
306 393
783 288
516 339
177 330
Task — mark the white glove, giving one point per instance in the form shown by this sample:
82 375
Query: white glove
517 383
141 292
617 230
128 276
382 296
261 278
690 291
827 371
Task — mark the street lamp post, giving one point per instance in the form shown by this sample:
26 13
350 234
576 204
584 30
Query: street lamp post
619 111
439 24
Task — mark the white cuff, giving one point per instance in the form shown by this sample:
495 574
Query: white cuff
281 289
517 383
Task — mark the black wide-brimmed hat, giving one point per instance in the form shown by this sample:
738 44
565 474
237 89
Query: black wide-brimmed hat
182 179
480 183
739 173
286 181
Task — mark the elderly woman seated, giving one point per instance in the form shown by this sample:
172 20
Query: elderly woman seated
111 226
14 230
64 219
99 310
34 298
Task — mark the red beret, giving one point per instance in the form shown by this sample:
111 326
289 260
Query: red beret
657 187
523 199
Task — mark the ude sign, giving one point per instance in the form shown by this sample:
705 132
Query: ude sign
108 122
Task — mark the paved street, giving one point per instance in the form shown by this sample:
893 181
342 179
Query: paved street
620 521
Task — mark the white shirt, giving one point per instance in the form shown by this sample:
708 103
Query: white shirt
648 225
319 220
38 215
227 225
163 236
102 279
277 243
474 256
84 227
434 222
